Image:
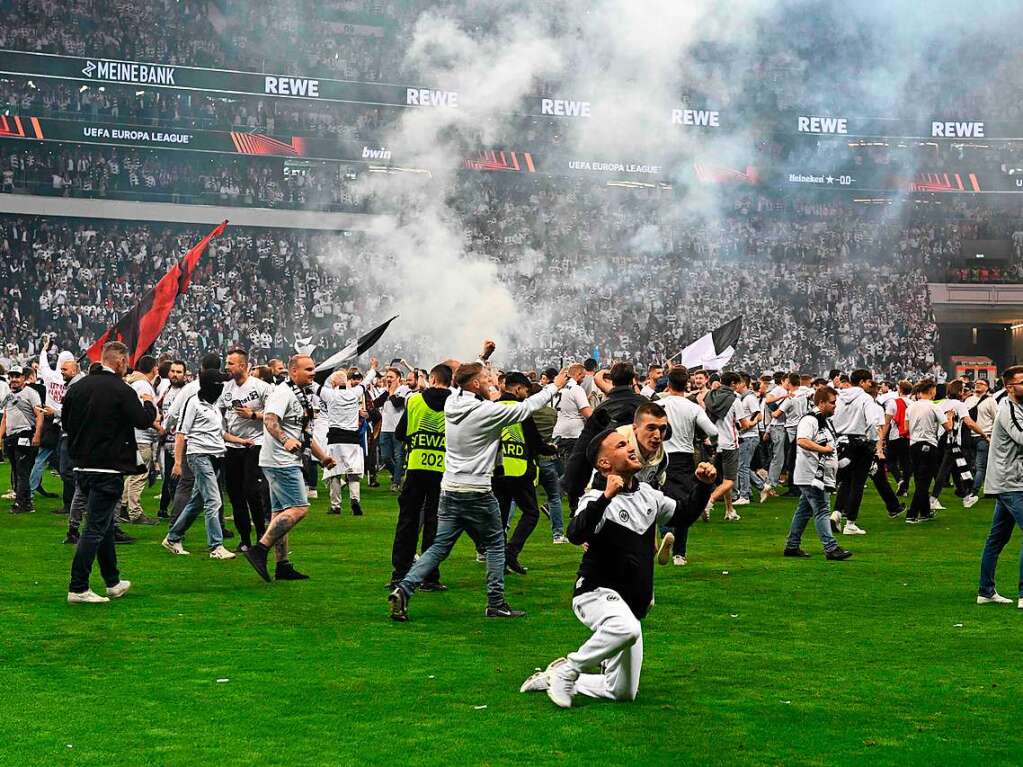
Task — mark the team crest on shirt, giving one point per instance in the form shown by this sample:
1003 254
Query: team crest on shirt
612 597
623 515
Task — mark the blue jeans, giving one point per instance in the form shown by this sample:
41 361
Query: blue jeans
779 441
392 455
205 491
36 477
981 470
815 503
458 512
549 473
1008 514
747 447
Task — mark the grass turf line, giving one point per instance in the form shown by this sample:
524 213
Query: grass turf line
780 661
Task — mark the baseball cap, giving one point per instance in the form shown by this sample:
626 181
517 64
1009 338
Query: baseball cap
16 370
593 449
517 379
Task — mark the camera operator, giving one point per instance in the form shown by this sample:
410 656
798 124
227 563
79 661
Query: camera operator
815 476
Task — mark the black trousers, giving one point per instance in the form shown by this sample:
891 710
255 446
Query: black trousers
900 460
881 484
790 461
103 492
523 492
170 484
852 478
67 473
680 485
926 459
247 490
417 507
22 458
945 469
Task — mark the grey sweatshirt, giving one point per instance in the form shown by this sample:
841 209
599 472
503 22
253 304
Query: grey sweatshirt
1005 456
473 436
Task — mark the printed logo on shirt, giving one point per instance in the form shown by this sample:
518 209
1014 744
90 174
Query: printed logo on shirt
612 597
623 515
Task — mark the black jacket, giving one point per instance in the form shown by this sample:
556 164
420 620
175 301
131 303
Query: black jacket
617 410
100 415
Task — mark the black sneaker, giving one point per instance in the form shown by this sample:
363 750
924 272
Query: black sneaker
72 537
122 537
796 552
392 585
837 554
162 514
398 600
902 490
16 509
356 509
143 520
432 586
897 512
45 493
928 517
256 557
513 564
285 571
373 482
504 611
228 534
334 510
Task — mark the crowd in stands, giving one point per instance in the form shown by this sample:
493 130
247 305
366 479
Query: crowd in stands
182 177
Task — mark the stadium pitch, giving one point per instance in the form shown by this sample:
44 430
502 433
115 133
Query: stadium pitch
749 658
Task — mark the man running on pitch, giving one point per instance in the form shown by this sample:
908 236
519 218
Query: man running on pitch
616 577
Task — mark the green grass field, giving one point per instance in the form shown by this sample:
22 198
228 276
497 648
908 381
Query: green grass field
750 658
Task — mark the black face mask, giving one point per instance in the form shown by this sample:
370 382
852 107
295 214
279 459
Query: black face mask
211 385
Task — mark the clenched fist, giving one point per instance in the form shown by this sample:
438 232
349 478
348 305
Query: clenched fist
706 473
614 485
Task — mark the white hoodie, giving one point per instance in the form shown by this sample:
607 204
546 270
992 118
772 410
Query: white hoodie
472 433
851 418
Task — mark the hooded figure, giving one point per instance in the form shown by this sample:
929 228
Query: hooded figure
211 385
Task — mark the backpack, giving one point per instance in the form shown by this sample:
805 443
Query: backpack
900 417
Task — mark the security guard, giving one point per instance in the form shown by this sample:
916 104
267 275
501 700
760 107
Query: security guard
421 428
515 479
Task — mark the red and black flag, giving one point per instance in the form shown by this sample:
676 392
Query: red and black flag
140 327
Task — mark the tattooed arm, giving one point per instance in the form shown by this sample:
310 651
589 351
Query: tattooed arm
272 424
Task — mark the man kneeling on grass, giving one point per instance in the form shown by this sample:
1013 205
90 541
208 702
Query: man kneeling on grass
615 584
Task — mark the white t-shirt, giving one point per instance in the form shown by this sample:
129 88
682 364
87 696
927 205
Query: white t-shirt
389 414
750 408
807 461
145 436
569 402
794 408
926 422
203 427
728 427
958 408
777 391
253 393
283 403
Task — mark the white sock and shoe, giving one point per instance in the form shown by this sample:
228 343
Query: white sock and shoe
174 547
119 589
995 599
221 553
936 504
970 501
561 685
540 680
87 597
851 528
664 550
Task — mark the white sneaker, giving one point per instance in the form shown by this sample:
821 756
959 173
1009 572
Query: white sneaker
10 495
731 516
558 539
766 493
174 547
970 501
836 521
936 504
664 550
561 685
540 680
221 553
87 597
313 494
852 529
995 599
741 502
119 589
679 561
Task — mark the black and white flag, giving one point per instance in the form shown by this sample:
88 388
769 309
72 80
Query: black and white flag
713 350
355 348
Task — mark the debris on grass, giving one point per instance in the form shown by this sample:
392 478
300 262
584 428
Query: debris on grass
222 680
479 708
